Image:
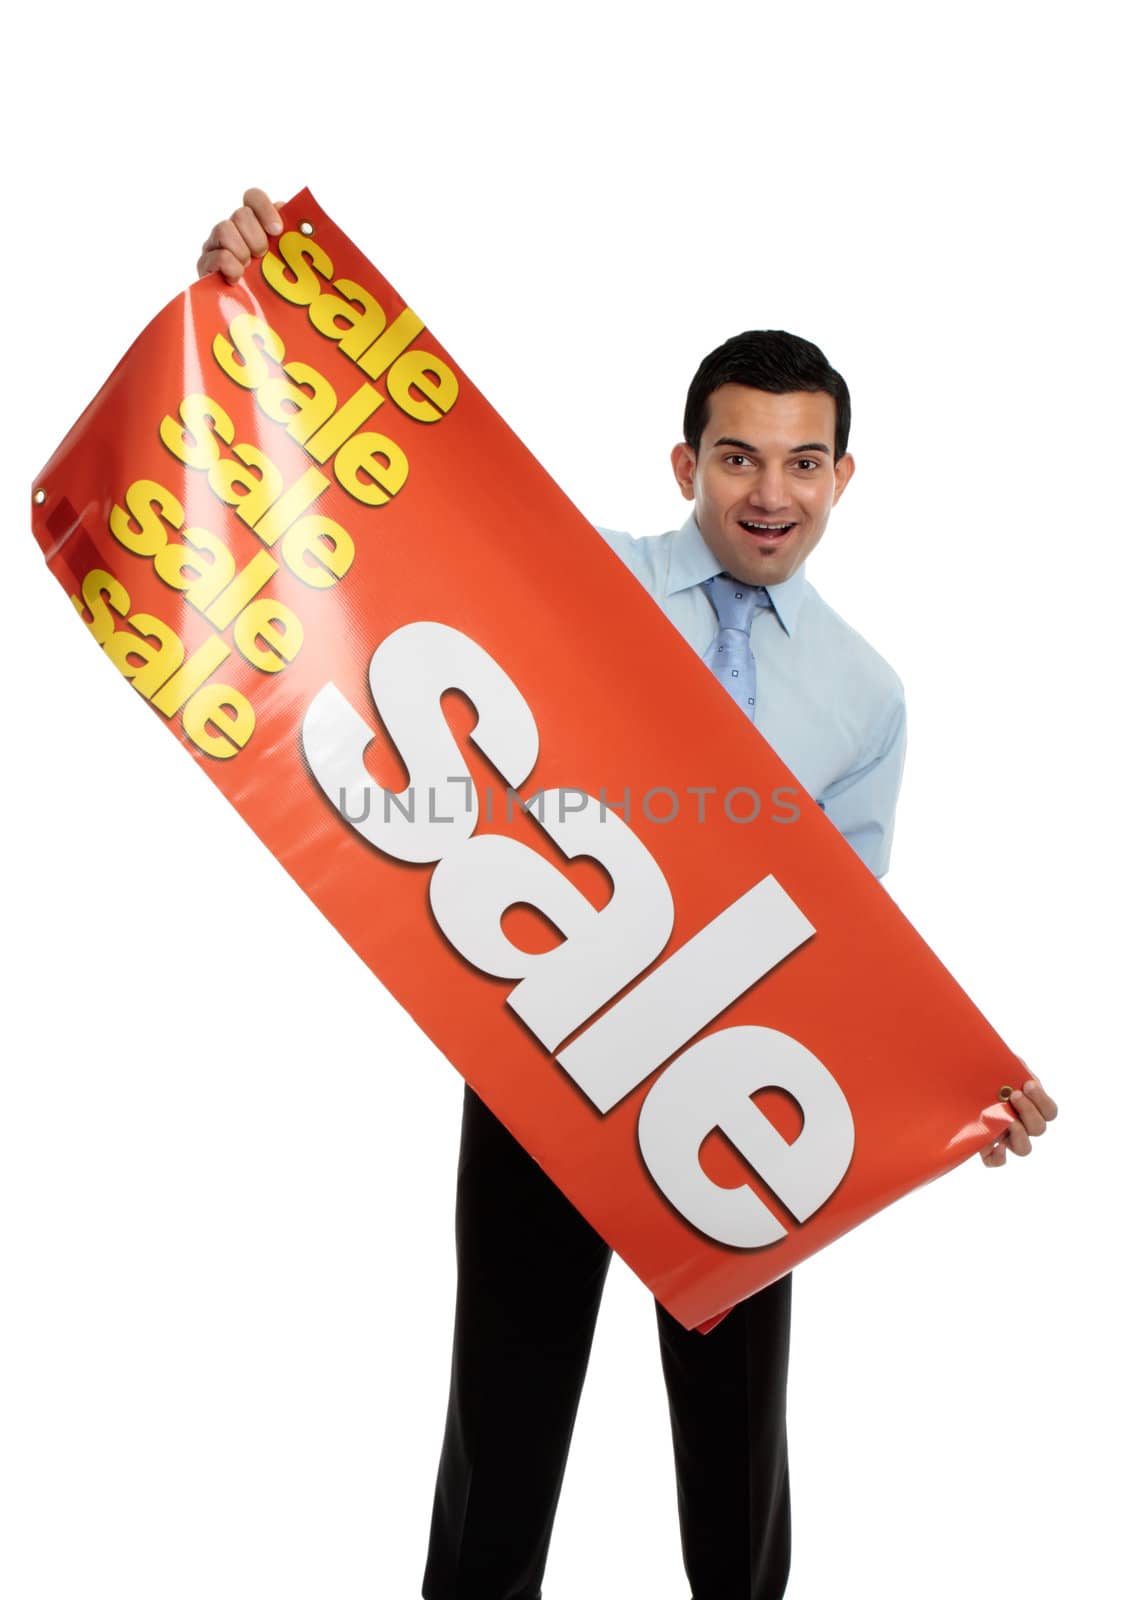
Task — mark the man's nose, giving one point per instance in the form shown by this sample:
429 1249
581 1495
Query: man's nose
770 492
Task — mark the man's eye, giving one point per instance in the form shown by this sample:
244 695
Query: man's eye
736 461
808 464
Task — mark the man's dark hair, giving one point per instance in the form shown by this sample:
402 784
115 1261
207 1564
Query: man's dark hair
769 359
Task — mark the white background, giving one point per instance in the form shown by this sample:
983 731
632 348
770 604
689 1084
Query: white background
226 1287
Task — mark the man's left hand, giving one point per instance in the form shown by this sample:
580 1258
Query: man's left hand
1035 1110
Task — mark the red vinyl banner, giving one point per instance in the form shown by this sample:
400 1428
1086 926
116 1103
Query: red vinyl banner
299 531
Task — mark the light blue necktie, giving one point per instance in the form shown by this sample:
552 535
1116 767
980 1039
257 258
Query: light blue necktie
729 656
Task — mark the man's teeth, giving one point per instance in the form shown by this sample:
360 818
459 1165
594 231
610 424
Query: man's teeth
768 527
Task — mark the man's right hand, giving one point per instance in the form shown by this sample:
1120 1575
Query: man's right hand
232 243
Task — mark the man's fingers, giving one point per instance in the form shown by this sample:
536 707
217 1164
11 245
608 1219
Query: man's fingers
1018 1140
1044 1103
1031 1119
233 243
266 213
226 236
1034 1110
222 261
225 251
249 230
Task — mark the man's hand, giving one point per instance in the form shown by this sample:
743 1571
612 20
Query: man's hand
232 243
1035 1110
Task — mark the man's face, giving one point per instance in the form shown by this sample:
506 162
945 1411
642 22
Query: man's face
763 480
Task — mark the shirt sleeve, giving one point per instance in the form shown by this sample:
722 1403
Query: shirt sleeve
861 805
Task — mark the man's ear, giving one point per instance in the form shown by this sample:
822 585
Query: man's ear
683 465
842 472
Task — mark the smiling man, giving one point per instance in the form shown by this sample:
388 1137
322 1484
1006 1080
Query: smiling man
764 468
764 458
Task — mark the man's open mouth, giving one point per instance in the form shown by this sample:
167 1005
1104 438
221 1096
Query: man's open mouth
768 530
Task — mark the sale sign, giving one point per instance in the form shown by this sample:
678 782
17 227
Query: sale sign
300 533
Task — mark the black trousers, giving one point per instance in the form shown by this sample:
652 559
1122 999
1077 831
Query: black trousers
530 1275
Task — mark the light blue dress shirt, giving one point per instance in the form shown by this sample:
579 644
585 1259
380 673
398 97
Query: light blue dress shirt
830 706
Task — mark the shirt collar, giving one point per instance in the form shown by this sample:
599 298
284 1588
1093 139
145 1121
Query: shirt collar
691 563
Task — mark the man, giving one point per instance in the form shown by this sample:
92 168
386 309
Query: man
763 460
